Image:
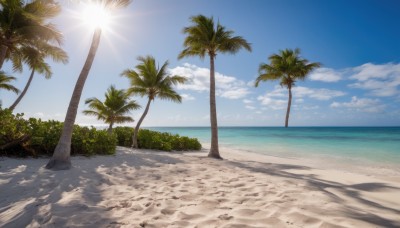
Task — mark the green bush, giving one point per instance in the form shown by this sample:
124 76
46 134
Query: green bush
124 136
148 139
44 136
35 137
13 128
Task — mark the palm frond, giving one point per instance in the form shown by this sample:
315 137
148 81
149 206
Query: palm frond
4 82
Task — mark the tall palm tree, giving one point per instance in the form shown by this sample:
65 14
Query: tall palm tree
34 57
5 82
204 38
61 156
114 109
154 82
23 21
288 67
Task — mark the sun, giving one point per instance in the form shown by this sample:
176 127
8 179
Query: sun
96 16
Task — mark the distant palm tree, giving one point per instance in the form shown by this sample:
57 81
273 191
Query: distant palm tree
114 109
4 82
34 57
202 39
154 82
24 21
288 67
61 156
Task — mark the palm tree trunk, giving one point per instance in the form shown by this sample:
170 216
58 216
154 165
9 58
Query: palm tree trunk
135 133
109 130
61 156
288 106
214 151
3 52
16 102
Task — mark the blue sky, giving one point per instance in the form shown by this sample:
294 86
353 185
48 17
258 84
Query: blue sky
358 43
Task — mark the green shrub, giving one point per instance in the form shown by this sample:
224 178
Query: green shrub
148 139
13 128
44 136
35 137
124 136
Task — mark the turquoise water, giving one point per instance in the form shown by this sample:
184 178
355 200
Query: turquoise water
378 144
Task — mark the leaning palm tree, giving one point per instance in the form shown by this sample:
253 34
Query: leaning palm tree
24 21
5 82
288 67
34 57
204 38
114 109
154 82
61 156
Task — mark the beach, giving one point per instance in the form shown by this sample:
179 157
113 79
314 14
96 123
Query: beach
144 188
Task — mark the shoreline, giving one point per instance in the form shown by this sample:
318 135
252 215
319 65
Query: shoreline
137 188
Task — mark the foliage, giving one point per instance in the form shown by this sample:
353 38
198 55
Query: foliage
114 109
41 138
44 135
24 23
148 139
287 66
204 38
152 81
13 128
4 82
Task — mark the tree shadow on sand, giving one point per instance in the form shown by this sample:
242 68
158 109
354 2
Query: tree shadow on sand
33 195
315 183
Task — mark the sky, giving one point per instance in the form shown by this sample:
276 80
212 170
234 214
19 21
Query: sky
357 42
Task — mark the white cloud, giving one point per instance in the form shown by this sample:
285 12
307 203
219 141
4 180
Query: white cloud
187 97
361 104
233 94
381 80
248 101
300 92
325 75
371 71
319 94
250 107
199 80
275 104
278 98
39 114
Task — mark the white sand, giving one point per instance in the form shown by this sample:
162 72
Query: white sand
159 189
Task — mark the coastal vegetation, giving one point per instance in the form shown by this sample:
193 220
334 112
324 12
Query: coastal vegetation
156 140
34 137
151 81
288 67
204 38
114 110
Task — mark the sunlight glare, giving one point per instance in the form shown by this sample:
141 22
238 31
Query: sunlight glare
96 16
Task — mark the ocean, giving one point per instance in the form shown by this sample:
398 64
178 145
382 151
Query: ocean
346 144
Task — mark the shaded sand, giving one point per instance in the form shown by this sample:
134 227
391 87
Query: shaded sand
159 189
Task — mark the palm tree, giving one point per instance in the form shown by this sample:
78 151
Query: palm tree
202 39
4 82
114 109
154 82
22 21
61 156
34 57
288 67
